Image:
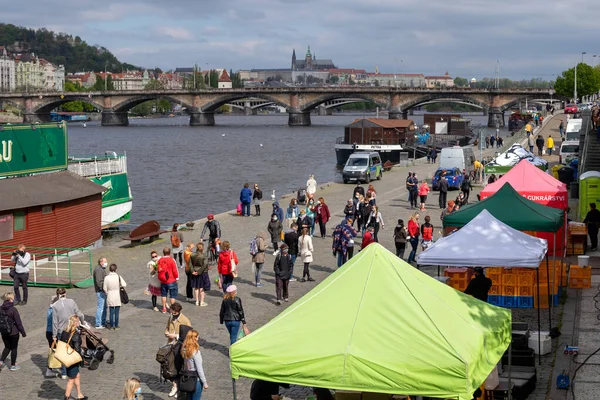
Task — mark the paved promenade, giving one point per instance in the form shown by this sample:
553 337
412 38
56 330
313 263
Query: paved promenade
141 332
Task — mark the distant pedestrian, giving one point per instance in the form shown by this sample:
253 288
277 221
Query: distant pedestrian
531 142
426 233
365 212
11 337
492 179
550 145
99 274
373 194
322 215
112 286
443 191
177 245
305 247
414 191
275 229
290 237
303 221
282 267
200 281
153 281
376 220
487 142
49 372
256 198
357 217
409 185
214 232
258 259
428 155
492 141
278 211
291 215
187 254
460 200
350 234
413 236
433 155
349 209
311 187
193 364
227 260
232 314
561 129
358 189
132 389
479 286
448 210
539 142
368 238
168 275
400 235
500 141
423 192
466 187
536 118
592 221
62 309
176 325
21 258
246 199
311 212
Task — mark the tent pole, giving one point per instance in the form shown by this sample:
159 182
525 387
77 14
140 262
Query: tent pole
539 317
234 389
549 291
510 371
553 273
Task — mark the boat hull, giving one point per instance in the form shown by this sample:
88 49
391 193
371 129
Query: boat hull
389 153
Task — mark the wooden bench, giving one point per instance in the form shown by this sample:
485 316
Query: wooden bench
150 229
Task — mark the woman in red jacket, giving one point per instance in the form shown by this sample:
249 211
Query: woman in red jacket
413 236
322 215
225 266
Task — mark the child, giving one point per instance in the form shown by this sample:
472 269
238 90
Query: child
426 233
423 192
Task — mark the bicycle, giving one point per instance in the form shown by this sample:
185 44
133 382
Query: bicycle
212 256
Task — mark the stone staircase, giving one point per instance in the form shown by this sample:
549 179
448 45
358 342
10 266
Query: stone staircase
592 152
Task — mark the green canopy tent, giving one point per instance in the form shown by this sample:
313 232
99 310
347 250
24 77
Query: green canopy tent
379 325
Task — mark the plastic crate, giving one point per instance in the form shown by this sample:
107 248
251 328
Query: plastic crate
580 283
496 290
459 284
495 300
525 291
526 277
580 272
509 278
509 290
510 301
495 277
542 302
525 301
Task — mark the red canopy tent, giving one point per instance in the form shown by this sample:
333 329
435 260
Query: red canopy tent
536 185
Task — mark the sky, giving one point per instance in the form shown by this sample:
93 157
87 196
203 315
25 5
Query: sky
468 38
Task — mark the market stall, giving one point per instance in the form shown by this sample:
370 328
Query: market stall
512 156
379 325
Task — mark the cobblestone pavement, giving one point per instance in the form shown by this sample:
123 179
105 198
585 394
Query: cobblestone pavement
141 332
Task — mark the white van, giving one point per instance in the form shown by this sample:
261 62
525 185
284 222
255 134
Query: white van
363 166
457 157
568 150
573 128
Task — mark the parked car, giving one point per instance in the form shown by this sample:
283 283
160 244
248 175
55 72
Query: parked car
453 175
571 109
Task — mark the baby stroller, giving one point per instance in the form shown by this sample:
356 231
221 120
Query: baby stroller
301 196
93 348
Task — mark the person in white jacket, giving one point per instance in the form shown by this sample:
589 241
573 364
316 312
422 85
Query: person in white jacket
305 247
311 186
376 221
112 288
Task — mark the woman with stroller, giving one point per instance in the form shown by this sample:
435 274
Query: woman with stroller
190 351
112 287
71 336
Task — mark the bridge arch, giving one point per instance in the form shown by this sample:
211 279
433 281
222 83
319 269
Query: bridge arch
45 107
444 97
133 101
335 96
522 99
218 102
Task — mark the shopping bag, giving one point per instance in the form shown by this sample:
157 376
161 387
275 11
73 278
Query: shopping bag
53 363
65 354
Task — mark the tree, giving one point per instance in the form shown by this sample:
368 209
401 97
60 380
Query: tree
100 85
214 79
164 106
334 79
588 81
461 82
154 84
143 109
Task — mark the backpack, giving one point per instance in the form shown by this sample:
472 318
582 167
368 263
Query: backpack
166 358
163 273
254 247
6 323
175 242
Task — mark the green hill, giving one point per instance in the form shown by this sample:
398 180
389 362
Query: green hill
60 48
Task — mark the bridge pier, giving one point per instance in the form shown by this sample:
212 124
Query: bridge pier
495 116
398 114
298 118
325 111
113 118
206 118
32 118
250 111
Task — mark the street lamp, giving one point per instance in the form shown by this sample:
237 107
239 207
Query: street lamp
575 82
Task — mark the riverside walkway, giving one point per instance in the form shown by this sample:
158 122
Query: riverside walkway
141 333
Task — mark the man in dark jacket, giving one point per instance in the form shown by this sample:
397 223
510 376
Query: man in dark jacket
358 189
592 220
246 199
290 238
99 275
11 339
264 390
479 286
466 186
283 269
539 142
443 191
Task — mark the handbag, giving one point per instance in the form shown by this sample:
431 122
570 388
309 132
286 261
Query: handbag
52 361
12 273
234 270
187 383
65 354
123 293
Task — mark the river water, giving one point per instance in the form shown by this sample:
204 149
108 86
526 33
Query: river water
179 173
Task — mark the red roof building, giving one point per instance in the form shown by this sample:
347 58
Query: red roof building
225 81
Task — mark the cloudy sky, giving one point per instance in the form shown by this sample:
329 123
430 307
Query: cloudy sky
530 38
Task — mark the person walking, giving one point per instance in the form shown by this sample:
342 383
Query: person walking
177 245
256 198
376 220
214 231
311 187
492 141
365 212
193 364
466 187
592 221
358 189
322 216
50 373
539 142
225 267
311 210
112 287
99 275
350 234
62 309
349 209
290 237
561 129
413 236
10 330
341 240
443 191
357 204
282 267
176 324
258 259
132 389
246 199
200 281
275 229
292 212
423 192
367 238
409 185
187 254
400 235
232 314
479 286
426 233
278 211
372 194
414 190
550 145
153 281
168 275
21 258
71 336
305 246
487 142
433 154
530 142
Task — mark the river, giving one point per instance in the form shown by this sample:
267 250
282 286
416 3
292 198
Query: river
179 173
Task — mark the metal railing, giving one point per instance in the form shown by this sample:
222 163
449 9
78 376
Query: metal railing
98 166
50 267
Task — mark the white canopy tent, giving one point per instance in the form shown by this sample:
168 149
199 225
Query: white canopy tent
486 242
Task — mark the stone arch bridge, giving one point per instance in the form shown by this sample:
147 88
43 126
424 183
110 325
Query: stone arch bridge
298 102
